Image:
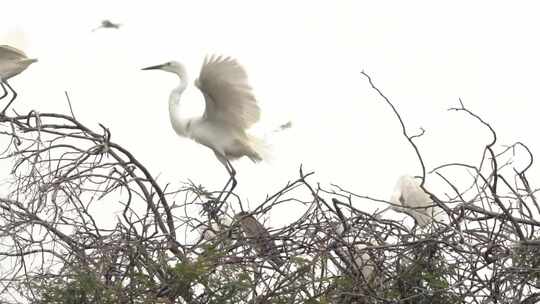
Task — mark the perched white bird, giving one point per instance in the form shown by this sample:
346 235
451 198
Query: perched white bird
231 108
415 201
12 62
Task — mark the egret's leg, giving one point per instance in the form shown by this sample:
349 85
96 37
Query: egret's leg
232 173
12 98
3 89
225 163
232 179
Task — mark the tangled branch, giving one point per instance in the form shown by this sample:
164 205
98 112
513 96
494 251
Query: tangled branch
84 221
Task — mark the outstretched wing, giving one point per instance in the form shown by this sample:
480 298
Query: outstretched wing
10 53
229 98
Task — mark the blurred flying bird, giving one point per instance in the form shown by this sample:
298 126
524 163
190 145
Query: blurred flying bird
415 201
107 24
12 62
284 126
259 237
230 110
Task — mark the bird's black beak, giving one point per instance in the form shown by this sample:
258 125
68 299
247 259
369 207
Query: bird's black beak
154 67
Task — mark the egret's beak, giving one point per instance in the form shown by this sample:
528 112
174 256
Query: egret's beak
29 60
383 211
154 67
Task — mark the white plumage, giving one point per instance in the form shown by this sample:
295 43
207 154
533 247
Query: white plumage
414 200
365 262
231 108
12 62
229 98
361 257
210 232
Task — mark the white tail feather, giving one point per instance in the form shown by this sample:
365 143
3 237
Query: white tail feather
262 147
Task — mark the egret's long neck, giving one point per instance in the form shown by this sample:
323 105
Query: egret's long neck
179 124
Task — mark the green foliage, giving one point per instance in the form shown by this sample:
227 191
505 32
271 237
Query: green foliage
229 284
423 279
80 287
85 285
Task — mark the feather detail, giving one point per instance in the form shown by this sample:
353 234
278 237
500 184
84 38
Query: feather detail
228 95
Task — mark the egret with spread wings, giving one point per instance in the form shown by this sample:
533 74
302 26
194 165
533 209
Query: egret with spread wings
231 108
12 62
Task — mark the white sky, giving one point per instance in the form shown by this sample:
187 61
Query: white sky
304 60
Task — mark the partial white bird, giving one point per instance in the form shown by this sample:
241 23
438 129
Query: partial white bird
210 233
361 257
107 24
415 201
12 62
365 262
231 108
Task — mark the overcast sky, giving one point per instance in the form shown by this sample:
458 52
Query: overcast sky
304 60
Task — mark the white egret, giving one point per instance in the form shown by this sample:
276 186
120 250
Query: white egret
12 62
415 201
231 109
260 237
